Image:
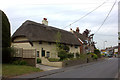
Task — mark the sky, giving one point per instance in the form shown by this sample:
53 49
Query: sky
61 13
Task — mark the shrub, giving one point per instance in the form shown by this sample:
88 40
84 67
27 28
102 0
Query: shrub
77 55
22 62
83 56
62 54
97 52
19 62
88 53
63 47
53 59
38 60
70 55
15 62
7 54
95 56
68 58
66 48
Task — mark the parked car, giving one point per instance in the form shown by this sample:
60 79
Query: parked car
110 55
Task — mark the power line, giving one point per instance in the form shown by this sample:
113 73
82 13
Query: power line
85 15
106 17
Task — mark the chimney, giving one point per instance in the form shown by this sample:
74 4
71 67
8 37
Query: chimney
71 30
44 21
77 29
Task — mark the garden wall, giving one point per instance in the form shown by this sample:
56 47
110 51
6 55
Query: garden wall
65 63
45 61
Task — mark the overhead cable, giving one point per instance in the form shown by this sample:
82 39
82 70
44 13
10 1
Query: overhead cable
106 16
85 15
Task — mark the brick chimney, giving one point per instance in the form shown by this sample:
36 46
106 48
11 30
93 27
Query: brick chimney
71 30
44 21
77 29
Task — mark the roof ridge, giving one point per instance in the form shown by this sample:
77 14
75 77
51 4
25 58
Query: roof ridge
29 22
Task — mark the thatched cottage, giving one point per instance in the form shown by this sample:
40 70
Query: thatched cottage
32 35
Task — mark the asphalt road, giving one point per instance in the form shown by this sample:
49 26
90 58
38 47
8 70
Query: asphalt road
101 69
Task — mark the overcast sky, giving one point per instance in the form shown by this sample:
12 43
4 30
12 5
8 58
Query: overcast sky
61 13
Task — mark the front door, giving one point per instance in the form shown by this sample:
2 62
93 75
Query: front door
43 52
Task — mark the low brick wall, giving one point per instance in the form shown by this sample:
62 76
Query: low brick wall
45 61
67 63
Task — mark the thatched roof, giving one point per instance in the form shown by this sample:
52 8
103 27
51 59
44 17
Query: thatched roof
40 32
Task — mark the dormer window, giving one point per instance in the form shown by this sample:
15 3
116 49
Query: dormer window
76 46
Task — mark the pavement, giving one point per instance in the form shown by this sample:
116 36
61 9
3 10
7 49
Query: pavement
52 70
46 68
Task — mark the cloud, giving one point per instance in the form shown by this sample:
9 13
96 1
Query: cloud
62 13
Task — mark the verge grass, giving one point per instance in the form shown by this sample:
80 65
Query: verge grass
10 70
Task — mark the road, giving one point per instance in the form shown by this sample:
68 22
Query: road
101 69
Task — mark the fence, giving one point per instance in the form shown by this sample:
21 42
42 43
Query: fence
29 55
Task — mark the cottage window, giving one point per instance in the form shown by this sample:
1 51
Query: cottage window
76 47
48 54
37 53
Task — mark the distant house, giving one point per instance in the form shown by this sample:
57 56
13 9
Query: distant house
86 44
32 35
110 50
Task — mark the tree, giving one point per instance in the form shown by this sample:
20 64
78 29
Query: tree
58 38
62 49
6 39
86 32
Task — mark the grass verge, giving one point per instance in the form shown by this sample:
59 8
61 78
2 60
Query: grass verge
10 70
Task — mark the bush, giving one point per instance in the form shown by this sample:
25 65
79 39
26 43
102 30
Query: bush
53 59
22 62
94 56
19 62
88 53
77 55
15 62
7 54
70 55
97 52
83 56
66 48
63 47
62 54
38 60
